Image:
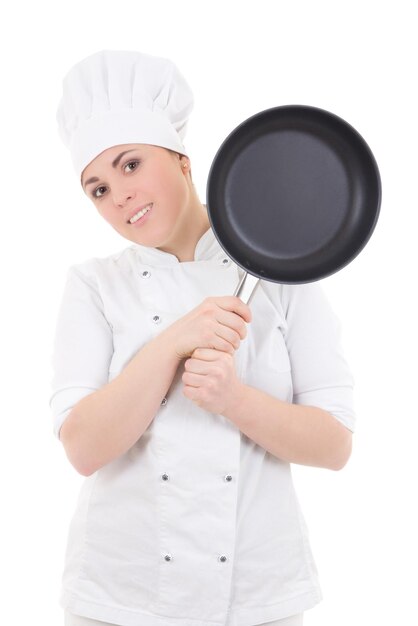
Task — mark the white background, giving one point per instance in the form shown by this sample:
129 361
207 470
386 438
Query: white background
356 59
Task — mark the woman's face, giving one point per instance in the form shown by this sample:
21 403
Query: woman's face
124 179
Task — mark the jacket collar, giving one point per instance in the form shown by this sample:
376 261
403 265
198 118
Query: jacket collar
207 249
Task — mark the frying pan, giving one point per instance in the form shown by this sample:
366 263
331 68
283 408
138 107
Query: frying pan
293 195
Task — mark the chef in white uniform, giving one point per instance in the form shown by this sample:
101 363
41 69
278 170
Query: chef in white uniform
193 521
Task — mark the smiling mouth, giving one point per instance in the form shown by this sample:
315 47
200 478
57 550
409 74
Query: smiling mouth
140 214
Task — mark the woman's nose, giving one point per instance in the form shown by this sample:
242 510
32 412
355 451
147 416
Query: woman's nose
122 196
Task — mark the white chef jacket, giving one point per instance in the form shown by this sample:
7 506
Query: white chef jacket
195 524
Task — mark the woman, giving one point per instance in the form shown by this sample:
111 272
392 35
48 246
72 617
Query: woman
182 406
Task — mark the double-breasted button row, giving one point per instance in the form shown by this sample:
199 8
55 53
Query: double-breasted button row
222 558
227 477
225 262
147 274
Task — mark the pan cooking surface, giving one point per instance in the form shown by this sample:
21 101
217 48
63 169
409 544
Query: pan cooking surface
293 194
291 168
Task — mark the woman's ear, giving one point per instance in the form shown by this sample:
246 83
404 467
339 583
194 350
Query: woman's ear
185 163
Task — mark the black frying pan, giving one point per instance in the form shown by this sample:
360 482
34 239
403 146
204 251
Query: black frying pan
293 195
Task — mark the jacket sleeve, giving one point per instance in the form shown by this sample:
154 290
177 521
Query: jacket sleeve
82 345
321 376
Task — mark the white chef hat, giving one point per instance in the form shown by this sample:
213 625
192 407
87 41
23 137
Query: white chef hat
116 97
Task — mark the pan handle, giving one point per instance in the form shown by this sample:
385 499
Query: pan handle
246 287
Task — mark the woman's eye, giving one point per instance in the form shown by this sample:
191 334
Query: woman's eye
134 163
99 191
98 195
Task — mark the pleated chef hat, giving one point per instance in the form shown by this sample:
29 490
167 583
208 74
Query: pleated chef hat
116 97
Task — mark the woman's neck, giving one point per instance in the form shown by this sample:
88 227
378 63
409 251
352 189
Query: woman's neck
200 226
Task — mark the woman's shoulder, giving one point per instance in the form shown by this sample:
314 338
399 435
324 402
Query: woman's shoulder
111 264
287 296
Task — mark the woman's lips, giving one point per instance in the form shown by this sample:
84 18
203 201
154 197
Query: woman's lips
143 218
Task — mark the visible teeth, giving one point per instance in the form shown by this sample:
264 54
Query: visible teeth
136 217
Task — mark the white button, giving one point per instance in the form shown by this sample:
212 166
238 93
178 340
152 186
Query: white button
145 274
156 319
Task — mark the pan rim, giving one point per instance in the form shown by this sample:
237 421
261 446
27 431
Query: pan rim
308 116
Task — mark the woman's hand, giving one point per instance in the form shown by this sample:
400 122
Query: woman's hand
219 322
210 380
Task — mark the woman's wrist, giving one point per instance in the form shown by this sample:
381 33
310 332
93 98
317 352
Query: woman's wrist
168 343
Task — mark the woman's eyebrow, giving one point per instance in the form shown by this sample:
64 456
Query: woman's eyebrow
94 179
118 158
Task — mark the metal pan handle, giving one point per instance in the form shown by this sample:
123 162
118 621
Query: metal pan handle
246 287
